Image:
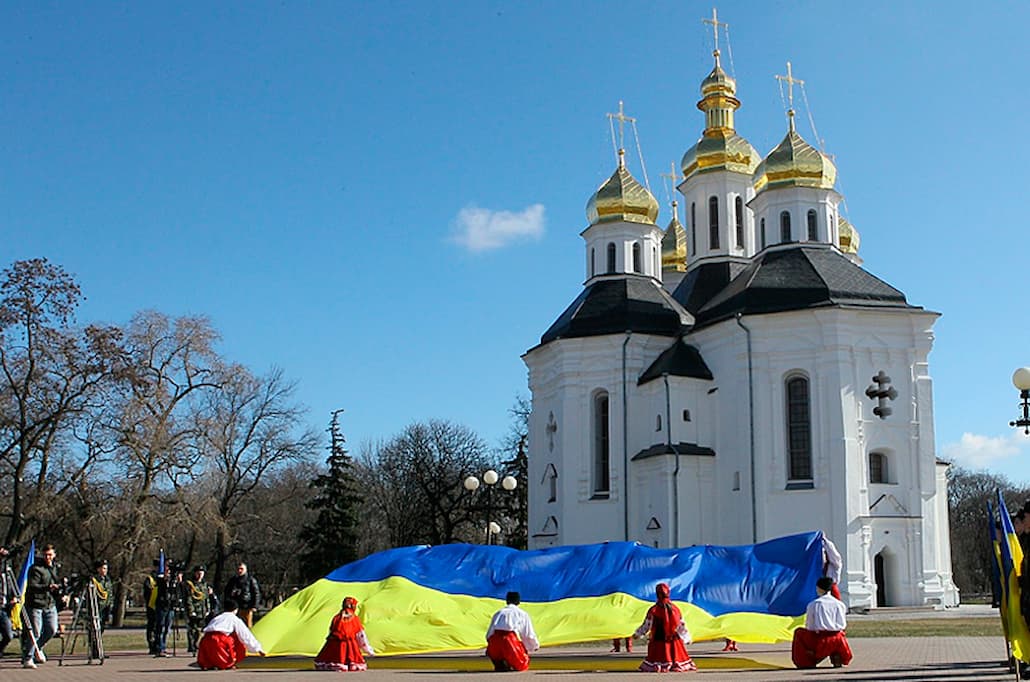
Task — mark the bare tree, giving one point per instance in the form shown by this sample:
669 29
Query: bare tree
250 427
49 371
415 482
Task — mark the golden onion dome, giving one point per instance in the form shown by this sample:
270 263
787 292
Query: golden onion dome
720 147
720 150
621 197
794 163
674 244
848 236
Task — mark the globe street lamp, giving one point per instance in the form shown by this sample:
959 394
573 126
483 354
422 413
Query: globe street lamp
1021 380
490 478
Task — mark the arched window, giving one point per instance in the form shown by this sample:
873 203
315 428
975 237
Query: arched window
693 229
611 257
593 261
877 467
813 227
713 223
601 481
658 423
551 478
761 230
799 430
636 257
738 206
785 227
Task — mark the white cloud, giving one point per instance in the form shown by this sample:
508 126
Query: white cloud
480 229
984 452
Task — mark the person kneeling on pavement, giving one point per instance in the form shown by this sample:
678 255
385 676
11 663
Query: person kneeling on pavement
226 641
823 634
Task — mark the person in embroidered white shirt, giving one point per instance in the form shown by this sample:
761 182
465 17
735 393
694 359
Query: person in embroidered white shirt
226 641
823 634
511 638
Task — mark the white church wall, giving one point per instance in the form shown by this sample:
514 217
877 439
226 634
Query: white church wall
726 187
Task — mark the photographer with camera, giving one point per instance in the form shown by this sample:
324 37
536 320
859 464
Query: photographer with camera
105 595
166 600
42 594
8 598
198 598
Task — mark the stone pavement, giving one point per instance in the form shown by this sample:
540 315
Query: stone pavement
907 659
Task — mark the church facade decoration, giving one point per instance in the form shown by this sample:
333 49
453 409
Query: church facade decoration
707 385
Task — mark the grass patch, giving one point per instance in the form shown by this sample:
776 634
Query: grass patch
928 627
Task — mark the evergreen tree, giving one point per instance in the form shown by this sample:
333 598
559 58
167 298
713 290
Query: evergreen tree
331 539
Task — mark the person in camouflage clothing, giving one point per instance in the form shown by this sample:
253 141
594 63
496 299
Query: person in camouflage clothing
198 599
105 595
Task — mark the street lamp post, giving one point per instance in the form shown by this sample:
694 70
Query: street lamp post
1021 380
490 478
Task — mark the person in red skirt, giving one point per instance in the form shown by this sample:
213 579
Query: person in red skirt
823 634
511 638
226 641
666 650
342 649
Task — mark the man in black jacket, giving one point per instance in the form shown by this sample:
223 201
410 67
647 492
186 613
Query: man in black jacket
243 589
40 604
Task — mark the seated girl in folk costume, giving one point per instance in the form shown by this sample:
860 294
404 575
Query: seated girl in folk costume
342 649
665 650
226 641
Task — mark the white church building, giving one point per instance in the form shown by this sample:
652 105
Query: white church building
741 377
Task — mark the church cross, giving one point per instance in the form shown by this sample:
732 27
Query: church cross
673 176
790 81
623 119
881 391
715 23
551 428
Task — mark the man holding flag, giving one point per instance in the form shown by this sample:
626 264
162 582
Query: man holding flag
39 617
8 598
1011 564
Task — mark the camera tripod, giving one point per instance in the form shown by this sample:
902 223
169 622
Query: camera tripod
87 624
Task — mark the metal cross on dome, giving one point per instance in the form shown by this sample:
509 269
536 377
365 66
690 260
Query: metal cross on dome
791 82
881 391
715 23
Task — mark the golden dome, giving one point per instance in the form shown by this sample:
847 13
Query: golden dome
849 238
674 244
720 147
621 197
795 163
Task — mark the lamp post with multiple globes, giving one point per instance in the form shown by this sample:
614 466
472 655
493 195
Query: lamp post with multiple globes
490 478
1021 380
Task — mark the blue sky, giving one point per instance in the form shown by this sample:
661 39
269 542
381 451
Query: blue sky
384 199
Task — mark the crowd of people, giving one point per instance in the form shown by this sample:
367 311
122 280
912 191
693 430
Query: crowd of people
219 630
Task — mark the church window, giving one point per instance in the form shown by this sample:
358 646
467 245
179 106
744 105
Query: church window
713 223
877 467
658 424
785 226
593 261
636 258
601 446
799 430
551 477
761 229
813 228
611 258
739 217
693 229
736 480
686 415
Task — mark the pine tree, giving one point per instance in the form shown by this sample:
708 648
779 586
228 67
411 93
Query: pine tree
331 539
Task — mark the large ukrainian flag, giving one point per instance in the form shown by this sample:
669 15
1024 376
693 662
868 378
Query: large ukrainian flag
424 599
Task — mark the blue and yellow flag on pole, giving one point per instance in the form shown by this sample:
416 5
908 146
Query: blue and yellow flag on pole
993 533
23 580
1011 567
423 599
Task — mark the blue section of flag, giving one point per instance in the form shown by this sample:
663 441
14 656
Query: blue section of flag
775 577
161 563
23 575
995 572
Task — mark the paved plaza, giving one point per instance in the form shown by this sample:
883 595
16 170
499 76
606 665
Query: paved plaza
898 658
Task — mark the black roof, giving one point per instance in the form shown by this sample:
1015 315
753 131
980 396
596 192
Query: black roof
679 448
705 281
613 306
803 276
680 360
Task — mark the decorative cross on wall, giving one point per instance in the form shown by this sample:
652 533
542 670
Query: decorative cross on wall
881 391
552 428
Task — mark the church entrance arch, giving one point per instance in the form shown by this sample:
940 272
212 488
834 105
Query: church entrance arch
886 575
